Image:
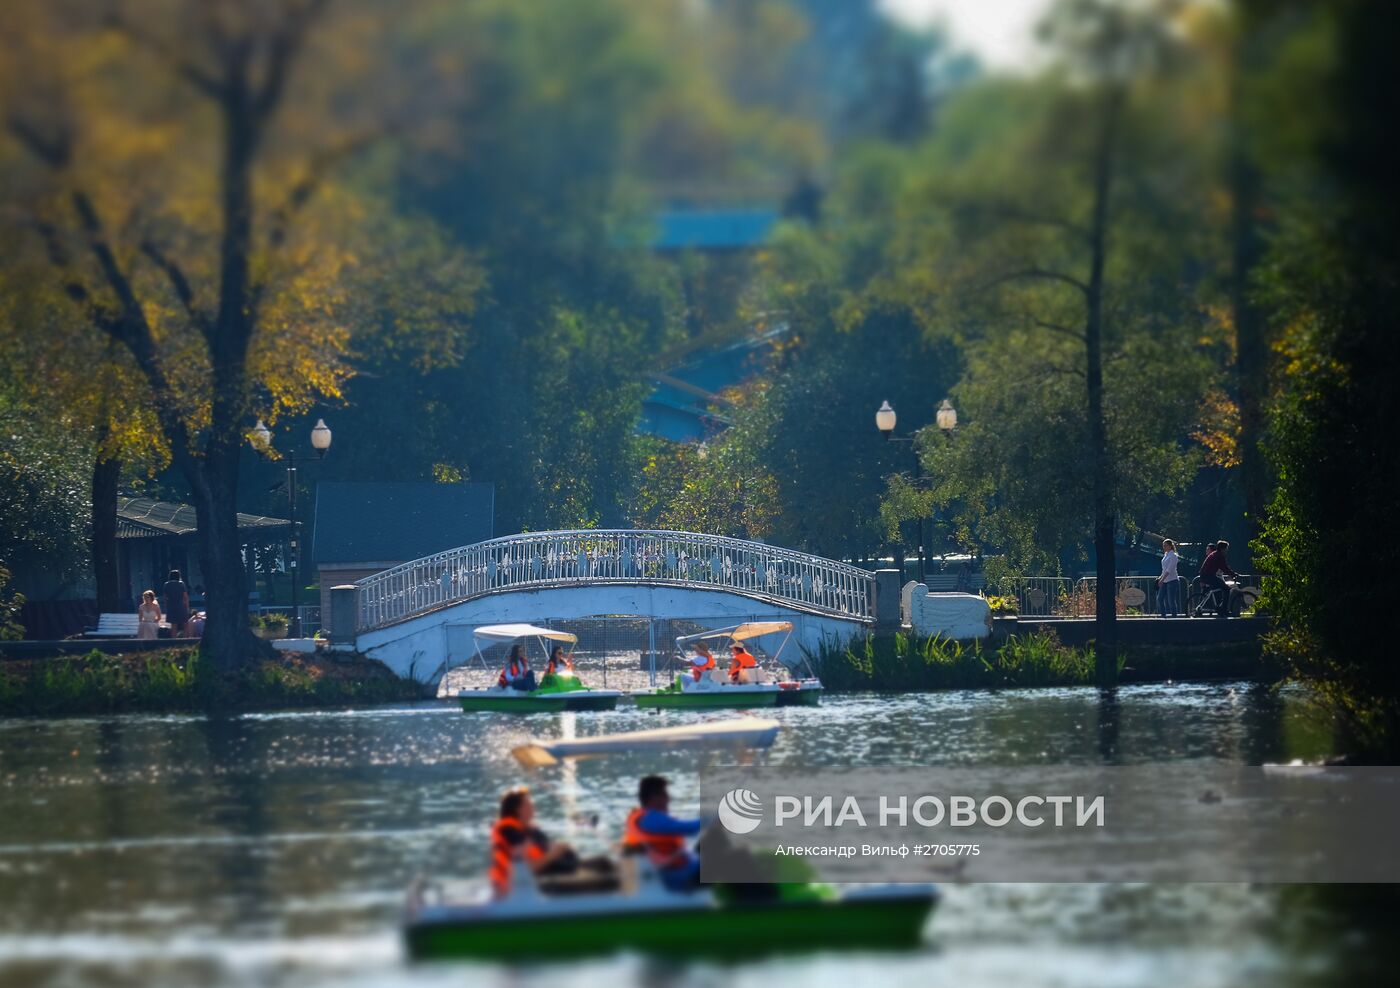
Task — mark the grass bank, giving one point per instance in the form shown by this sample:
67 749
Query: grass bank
906 662
182 680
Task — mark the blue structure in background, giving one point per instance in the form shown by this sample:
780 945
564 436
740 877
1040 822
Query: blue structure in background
685 405
713 229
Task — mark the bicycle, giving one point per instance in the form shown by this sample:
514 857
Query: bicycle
1200 599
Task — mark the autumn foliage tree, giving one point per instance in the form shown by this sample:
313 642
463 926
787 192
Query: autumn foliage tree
174 166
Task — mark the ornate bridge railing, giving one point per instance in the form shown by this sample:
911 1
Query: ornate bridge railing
593 556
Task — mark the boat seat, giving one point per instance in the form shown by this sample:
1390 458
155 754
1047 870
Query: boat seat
577 883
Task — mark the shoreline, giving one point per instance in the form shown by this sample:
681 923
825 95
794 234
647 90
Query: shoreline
173 681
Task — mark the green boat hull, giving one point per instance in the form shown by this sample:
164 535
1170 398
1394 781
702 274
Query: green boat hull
742 930
810 697
537 703
709 700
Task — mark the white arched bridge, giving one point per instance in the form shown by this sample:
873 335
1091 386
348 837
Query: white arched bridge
417 617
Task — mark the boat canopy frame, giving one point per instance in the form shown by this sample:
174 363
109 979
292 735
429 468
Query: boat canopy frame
748 630
498 634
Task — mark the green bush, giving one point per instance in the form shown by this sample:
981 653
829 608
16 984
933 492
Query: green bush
185 680
10 604
910 662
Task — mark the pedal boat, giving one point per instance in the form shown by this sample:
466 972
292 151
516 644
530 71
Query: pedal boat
755 689
555 693
629 908
578 916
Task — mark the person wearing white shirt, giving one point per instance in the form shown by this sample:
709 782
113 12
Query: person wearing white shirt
1168 585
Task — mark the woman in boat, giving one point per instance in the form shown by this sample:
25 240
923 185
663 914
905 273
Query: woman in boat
514 837
559 662
517 673
653 831
702 661
741 661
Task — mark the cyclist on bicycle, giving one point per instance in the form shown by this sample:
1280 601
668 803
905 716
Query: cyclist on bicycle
1213 572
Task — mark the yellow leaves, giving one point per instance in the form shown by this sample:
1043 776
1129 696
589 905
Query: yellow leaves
1219 429
1219 328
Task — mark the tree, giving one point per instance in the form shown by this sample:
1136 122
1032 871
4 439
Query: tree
1056 246
43 491
1329 541
174 163
64 374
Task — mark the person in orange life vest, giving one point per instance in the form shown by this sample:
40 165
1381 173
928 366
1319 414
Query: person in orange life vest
652 829
515 838
517 673
559 662
702 661
741 660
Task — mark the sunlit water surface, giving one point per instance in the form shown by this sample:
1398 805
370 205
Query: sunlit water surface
275 849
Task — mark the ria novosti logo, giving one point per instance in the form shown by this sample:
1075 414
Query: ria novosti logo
740 811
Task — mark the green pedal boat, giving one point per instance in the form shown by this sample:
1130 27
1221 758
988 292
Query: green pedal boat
551 697
612 905
709 694
558 690
577 918
713 688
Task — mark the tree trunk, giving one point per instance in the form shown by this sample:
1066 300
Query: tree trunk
105 477
1105 568
228 641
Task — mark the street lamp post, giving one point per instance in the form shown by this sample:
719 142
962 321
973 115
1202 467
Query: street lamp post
946 419
261 440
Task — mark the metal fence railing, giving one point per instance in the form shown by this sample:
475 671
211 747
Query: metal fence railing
1059 596
591 556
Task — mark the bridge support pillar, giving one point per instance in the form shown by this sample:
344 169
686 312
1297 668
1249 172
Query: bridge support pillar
345 612
887 601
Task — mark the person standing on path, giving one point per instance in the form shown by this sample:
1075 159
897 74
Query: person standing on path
175 595
1168 587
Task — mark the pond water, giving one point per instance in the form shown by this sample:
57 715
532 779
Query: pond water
275 849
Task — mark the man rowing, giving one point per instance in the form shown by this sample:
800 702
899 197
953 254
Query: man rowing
653 831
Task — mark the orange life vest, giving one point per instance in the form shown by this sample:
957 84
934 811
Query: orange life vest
553 666
663 850
517 668
697 670
507 836
742 659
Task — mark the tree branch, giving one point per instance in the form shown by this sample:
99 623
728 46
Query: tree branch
1018 214
54 152
1031 274
1044 275
320 166
285 44
130 327
1055 327
179 283
185 68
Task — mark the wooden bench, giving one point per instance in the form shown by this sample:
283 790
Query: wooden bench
114 626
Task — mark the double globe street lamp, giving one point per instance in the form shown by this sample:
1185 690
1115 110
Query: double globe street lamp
946 418
261 440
